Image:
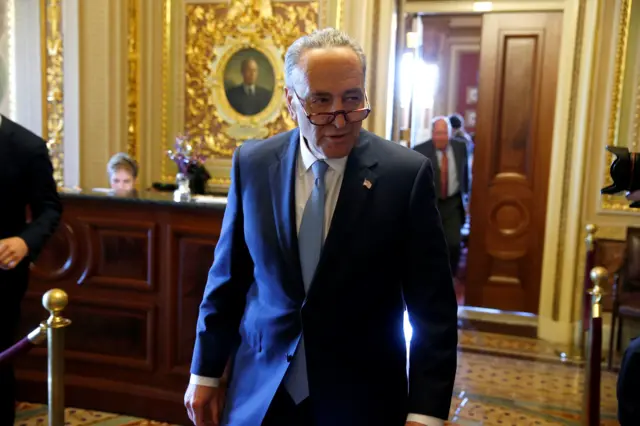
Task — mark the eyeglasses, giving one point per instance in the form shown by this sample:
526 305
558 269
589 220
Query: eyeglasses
324 118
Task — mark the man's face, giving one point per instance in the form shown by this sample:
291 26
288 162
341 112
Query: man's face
328 80
440 134
250 72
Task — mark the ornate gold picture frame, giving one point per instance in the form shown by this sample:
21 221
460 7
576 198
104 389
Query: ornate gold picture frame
623 127
217 41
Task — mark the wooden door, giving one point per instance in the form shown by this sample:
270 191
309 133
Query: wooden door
517 94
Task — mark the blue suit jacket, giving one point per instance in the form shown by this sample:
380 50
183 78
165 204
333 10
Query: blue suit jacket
385 250
629 386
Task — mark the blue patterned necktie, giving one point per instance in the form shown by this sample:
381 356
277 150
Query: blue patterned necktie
310 241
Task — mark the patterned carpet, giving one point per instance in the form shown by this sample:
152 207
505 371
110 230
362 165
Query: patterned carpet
501 381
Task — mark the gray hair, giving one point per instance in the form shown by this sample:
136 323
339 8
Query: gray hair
320 39
124 161
444 118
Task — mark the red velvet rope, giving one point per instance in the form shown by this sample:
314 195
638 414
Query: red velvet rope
594 366
20 348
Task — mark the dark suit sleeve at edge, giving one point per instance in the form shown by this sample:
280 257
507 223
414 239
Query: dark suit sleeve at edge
224 298
44 201
431 302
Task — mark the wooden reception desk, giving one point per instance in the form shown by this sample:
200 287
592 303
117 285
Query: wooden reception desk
134 270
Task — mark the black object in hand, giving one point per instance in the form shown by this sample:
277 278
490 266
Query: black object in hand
624 171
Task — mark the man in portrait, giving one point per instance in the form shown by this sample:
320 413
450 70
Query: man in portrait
330 235
249 98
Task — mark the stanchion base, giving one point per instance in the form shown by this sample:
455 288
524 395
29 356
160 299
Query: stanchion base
574 355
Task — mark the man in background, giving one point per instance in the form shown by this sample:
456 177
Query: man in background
329 234
457 128
26 182
249 98
451 178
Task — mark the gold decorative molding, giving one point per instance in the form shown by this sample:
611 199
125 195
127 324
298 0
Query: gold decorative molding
211 40
52 84
609 202
166 58
133 79
575 81
323 19
373 61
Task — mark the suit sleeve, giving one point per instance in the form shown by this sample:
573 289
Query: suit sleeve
224 297
431 303
43 200
628 385
467 181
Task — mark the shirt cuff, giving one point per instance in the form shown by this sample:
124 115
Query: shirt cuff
425 420
204 381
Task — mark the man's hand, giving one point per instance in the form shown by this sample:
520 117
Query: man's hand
12 251
204 402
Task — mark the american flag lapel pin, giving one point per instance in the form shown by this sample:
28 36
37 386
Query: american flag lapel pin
367 183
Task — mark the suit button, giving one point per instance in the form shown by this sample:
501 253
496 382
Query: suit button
289 357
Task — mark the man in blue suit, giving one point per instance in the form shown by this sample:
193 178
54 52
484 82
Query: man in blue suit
330 232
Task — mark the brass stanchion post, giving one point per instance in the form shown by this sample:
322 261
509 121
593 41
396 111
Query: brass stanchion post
577 353
55 301
593 367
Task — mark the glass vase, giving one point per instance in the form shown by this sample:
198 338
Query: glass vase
183 192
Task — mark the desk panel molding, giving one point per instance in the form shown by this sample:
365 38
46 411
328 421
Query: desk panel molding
51 266
98 232
193 249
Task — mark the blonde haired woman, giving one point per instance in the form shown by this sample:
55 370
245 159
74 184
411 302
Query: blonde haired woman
123 172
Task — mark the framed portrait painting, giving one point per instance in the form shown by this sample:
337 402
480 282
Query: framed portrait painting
249 82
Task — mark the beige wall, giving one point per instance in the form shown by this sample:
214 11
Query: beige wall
101 73
6 59
602 129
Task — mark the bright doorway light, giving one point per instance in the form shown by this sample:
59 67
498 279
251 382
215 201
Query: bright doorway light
482 6
419 79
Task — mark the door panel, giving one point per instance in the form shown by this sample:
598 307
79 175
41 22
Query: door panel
517 91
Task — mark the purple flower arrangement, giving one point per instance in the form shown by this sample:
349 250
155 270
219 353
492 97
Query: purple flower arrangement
188 155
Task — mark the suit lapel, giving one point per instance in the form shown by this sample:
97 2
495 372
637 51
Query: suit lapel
358 183
433 156
282 174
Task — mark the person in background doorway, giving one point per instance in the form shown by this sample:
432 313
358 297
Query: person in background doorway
451 177
123 173
458 132
26 183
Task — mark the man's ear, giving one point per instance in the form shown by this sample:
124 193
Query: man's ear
290 97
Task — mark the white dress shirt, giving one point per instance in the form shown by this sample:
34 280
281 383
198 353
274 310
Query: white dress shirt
453 185
304 185
249 89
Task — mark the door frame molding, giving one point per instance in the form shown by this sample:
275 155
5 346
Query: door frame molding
457 49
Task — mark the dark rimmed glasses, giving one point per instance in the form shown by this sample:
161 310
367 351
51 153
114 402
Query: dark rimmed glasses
324 118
